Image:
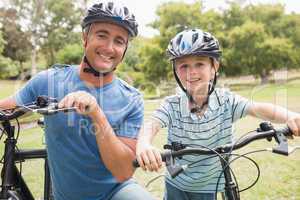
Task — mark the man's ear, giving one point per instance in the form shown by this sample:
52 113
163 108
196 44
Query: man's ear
84 39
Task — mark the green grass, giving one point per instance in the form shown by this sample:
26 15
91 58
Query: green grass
280 176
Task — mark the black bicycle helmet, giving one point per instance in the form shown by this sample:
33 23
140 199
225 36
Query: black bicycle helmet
111 12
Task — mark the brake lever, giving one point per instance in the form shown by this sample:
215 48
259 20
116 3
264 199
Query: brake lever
281 139
53 109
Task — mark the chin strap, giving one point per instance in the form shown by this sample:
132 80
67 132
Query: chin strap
211 88
91 70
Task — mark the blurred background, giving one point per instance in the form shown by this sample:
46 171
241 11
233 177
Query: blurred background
261 60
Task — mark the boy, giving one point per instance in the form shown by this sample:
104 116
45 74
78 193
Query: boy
200 116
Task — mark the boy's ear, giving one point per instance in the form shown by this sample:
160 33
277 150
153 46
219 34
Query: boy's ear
215 66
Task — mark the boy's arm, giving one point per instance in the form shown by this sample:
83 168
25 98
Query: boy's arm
147 155
7 103
276 114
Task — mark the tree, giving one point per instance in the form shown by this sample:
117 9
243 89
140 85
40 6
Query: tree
70 54
59 29
8 68
17 46
274 53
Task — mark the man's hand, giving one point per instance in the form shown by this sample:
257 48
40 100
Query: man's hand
84 103
294 125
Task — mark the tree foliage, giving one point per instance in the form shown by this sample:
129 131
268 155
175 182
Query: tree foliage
255 39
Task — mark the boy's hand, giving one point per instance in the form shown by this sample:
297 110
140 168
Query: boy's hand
294 125
148 157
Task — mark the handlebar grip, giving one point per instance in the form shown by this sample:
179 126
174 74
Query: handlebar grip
135 163
285 131
164 155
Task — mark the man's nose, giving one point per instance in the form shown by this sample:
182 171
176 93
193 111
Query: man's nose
109 46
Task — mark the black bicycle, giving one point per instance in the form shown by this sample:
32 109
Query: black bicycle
13 186
225 153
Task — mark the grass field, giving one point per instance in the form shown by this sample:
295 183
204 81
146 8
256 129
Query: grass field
280 176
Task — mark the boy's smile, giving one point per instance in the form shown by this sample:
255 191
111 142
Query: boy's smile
194 72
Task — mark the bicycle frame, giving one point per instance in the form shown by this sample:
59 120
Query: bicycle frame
13 184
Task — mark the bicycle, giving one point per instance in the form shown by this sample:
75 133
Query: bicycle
13 186
231 189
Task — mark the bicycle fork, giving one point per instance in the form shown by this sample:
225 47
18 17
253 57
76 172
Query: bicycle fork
231 191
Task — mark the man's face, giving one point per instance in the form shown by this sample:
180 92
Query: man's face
194 73
105 45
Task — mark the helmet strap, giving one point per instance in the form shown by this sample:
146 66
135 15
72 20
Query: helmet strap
92 70
211 88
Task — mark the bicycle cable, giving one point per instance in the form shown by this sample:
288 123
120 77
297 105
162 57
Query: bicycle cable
154 179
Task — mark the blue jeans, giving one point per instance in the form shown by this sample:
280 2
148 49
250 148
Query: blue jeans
172 193
130 190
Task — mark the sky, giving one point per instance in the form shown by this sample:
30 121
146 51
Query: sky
144 10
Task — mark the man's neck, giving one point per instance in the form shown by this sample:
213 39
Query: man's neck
92 80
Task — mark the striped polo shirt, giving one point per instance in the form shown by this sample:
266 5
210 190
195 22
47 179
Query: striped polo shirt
212 129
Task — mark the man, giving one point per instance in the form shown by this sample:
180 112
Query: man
91 151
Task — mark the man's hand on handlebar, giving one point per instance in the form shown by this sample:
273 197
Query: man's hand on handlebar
84 103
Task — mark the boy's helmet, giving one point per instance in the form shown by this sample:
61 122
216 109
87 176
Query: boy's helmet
194 42
111 12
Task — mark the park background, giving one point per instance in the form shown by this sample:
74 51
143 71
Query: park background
261 48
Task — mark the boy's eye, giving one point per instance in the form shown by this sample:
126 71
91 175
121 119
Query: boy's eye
184 66
199 64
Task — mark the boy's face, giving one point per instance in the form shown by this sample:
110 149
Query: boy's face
105 45
195 72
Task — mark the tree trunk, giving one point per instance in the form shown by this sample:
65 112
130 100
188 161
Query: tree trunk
22 75
33 62
264 77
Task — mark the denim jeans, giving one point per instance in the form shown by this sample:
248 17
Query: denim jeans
172 193
130 190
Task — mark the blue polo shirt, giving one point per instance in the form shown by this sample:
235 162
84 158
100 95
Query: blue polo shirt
76 167
212 129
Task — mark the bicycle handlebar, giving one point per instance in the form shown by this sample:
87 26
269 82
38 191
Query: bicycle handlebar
279 134
43 105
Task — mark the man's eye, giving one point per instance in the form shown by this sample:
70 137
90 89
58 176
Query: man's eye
101 36
120 42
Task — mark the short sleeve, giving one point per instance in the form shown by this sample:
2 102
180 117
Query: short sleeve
29 92
239 106
133 123
162 114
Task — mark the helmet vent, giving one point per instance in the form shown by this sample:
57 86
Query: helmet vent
194 37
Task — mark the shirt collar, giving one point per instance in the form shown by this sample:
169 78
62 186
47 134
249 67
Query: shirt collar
213 104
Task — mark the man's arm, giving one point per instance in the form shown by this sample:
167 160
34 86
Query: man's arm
7 103
276 114
116 152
